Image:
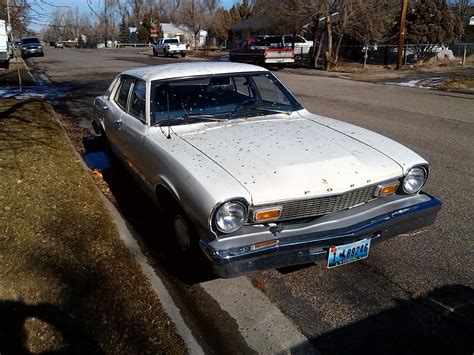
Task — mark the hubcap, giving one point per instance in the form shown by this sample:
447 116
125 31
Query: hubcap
181 231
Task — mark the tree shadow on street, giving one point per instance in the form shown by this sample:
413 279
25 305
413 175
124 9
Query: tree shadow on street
442 322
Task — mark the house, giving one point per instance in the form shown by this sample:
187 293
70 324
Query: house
184 34
251 27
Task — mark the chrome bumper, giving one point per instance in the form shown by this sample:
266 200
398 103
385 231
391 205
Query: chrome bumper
308 242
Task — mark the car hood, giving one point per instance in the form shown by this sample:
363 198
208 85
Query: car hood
289 157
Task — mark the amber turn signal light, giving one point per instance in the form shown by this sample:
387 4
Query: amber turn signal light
387 189
268 214
264 244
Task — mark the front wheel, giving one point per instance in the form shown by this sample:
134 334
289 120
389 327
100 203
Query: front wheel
182 232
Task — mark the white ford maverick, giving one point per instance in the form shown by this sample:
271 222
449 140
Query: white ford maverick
249 175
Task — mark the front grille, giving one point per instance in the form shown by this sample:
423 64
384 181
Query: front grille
320 206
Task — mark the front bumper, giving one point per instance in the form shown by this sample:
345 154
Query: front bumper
308 242
32 51
175 51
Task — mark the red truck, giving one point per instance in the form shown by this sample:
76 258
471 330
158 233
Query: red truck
264 51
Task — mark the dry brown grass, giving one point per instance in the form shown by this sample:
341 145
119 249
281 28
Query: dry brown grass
68 283
457 83
10 77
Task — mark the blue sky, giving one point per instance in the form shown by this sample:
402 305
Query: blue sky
41 21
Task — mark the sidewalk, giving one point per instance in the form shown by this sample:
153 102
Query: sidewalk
68 282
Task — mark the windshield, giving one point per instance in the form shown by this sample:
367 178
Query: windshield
225 97
30 41
171 41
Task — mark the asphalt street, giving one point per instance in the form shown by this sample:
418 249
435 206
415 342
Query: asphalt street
415 292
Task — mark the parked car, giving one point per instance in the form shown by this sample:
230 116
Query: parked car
31 46
59 45
302 45
169 47
253 178
263 51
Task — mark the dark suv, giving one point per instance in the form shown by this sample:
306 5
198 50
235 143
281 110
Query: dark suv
31 46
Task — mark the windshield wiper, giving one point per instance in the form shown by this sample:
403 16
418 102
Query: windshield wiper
264 108
186 118
257 105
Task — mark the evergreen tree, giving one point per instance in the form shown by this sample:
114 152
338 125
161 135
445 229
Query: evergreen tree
431 23
123 31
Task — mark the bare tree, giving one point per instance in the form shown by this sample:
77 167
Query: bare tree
104 10
196 14
462 7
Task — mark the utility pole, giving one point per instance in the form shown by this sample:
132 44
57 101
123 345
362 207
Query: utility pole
401 35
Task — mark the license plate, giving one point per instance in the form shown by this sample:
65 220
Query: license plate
347 253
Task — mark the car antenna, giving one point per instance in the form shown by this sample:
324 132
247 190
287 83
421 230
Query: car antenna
168 112
168 136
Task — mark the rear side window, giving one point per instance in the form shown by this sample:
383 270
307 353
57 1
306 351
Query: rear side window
122 94
137 101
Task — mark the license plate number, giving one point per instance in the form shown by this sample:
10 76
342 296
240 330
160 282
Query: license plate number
347 253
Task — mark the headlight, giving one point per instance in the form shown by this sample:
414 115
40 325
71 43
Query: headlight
230 217
414 180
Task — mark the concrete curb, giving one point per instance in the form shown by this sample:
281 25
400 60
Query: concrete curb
27 69
262 324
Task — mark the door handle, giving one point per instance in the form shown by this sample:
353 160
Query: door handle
118 123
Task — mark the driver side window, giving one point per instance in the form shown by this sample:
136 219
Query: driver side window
121 98
137 100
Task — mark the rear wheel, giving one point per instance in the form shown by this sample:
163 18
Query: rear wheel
183 55
154 53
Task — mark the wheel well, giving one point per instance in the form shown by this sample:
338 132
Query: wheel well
165 199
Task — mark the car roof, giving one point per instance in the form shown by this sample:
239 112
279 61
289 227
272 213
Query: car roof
188 69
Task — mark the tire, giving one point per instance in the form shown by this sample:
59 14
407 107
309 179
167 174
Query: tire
165 53
184 233
183 55
154 53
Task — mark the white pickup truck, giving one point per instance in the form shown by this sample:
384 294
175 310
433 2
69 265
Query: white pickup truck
4 46
169 47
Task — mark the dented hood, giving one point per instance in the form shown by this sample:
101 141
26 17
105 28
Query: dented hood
290 157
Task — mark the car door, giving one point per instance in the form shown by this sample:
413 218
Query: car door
116 107
133 129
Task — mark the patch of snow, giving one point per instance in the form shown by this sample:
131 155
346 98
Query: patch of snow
424 83
47 92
